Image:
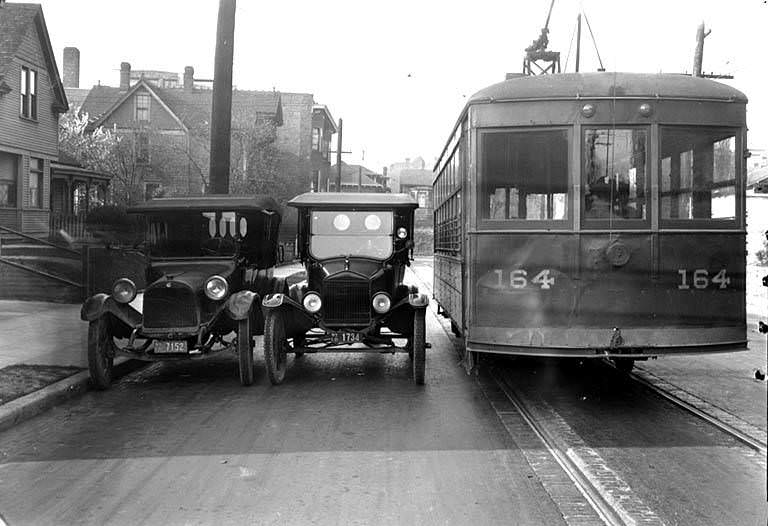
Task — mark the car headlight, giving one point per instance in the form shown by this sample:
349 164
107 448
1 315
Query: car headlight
381 303
216 288
124 290
312 302
402 233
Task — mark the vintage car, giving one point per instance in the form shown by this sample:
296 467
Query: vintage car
354 247
209 261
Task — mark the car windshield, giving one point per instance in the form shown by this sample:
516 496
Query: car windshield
345 233
195 234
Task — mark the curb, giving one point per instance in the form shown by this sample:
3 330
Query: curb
27 406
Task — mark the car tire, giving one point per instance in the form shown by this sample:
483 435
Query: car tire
100 353
245 350
418 346
275 357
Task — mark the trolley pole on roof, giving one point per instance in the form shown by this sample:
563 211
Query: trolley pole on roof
578 41
221 108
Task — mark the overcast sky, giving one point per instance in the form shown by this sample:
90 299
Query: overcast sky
397 72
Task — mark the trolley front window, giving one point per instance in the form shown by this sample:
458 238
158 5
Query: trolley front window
525 175
615 176
698 174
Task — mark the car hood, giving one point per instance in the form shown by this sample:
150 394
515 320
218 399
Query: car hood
191 273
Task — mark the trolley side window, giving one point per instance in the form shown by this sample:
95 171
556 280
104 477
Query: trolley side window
525 175
615 174
698 174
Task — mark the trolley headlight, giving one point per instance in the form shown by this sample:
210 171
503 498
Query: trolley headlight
312 302
124 290
402 233
216 288
381 303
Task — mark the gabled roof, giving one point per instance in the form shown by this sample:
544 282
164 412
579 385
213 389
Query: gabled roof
141 84
15 23
192 108
350 174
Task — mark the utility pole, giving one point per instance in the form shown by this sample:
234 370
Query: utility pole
338 157
221 108
578 41
698 56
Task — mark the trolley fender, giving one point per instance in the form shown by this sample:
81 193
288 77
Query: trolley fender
418 300
99 304
239 304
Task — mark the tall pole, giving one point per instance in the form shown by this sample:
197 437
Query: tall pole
578 41
338 157
698 56
221 109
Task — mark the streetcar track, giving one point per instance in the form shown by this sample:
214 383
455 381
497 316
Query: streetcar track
704 411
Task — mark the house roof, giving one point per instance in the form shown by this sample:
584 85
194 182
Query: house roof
414 177
324 109
191 107
15 21
350 173
76 96
757 177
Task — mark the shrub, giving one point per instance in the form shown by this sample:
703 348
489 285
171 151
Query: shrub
112 225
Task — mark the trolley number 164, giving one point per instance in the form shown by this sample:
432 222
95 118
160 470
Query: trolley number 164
700 279
519 279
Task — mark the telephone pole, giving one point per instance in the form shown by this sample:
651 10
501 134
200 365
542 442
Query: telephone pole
221 108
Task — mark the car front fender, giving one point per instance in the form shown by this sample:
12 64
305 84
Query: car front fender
99 304
239 304
278 300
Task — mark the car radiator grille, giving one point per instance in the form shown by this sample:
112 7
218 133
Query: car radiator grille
346 302
169 307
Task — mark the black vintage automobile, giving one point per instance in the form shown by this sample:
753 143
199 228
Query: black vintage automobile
209 263
354 248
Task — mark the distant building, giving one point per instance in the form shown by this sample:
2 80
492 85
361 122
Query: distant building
395 169
418 183
354 178
31 100
323 128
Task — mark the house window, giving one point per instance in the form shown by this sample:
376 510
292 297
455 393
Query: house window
317 135
9 170
142 107
28 92
35 182
142 148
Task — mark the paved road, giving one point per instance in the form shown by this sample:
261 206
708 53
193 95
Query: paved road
348 439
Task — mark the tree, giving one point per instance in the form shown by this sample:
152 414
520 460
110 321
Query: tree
104 151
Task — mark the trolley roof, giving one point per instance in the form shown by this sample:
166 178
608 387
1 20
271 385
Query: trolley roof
210 202
611 85
331 200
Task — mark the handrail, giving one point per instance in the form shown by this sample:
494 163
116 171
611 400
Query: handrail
43 241
40 272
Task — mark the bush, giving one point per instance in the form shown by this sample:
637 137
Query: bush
112 225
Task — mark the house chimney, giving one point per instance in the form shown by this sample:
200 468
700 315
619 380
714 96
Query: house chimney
125 76
71 67
189 78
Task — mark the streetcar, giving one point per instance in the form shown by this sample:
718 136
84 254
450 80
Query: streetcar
594 215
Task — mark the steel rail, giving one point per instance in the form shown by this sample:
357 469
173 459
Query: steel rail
739 435
599 503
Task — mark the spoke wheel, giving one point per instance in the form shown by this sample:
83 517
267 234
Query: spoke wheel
100 353
418 346
275 345
245 350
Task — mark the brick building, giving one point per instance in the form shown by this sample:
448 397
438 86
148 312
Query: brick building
31 99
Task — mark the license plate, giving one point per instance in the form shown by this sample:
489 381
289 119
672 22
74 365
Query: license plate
345 337
170 346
